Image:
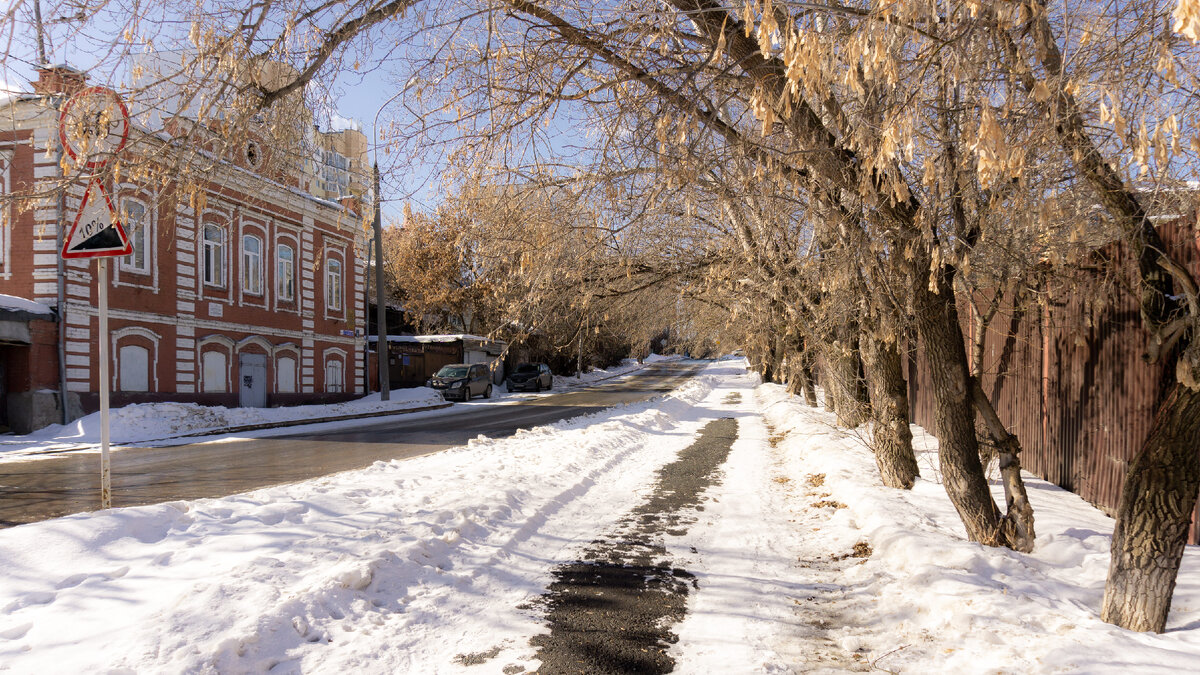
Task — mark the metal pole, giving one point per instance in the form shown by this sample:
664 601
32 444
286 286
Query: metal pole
41 32
579 354
381 345
60 224
105 478
366 356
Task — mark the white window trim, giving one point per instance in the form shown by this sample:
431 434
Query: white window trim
130 331
6 267
244 293
294 244
292 351
337 255
228 345
201 268
333 354
131 195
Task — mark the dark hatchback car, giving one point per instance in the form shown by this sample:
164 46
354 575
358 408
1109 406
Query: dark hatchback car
530 377
462 381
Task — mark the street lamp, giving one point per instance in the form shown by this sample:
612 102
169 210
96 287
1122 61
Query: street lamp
382 352
381 348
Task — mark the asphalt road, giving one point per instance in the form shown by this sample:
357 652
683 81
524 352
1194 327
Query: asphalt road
48 488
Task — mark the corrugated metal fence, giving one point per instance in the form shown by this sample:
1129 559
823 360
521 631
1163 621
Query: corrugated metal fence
1066 373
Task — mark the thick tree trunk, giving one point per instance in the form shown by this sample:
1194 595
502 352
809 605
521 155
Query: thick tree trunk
954 410
1159 493
1157 502
889 408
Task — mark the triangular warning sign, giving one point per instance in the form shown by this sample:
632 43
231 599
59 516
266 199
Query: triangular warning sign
97 231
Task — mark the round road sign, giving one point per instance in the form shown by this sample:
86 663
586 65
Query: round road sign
93 126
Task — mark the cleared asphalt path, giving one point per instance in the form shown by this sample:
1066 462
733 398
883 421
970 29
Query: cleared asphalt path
48 488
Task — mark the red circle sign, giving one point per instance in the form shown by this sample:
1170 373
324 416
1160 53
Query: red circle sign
94 125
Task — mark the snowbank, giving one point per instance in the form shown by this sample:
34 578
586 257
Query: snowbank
148 423
928 600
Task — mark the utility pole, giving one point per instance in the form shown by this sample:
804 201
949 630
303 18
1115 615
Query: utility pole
382 351
41 36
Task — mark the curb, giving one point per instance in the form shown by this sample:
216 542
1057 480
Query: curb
252 427
300 423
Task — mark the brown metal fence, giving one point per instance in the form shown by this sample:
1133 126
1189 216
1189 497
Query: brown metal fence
1067 374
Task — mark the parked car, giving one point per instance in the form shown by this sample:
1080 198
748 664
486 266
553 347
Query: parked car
462 381
530 377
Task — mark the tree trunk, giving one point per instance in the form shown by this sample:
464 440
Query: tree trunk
1159 493
807 380
1018 516
844 384
892 441
1157 502
954 409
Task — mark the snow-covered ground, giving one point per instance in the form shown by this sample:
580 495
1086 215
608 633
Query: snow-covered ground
175 423
802 559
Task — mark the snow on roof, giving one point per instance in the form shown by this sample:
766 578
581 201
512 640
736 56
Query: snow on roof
431 338
13 303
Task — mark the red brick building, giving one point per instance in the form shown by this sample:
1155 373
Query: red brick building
248 300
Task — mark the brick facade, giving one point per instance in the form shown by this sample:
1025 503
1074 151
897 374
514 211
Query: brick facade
263 281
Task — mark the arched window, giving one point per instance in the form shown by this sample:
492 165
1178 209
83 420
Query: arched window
252 264
334 381
333 285
214 255
285 373
137 226
285 272
133 368
215 366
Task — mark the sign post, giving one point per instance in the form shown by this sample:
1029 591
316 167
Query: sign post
93 127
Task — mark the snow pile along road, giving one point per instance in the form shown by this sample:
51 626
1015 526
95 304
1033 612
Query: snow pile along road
927 600
161 423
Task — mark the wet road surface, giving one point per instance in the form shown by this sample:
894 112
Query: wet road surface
612 612
48 488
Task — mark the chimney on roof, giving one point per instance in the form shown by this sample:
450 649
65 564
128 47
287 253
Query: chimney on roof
59 79
352 203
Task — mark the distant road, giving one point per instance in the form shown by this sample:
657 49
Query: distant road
48 488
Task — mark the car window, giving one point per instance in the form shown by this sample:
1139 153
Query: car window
478 371
527 368
451 371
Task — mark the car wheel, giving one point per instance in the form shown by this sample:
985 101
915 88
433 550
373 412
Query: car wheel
487 393
550 383
537 386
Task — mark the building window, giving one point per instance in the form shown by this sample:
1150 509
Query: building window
285 272
333 376
333 285
252 264
137 226
5 160
285 371
133 368
214 255
215 367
